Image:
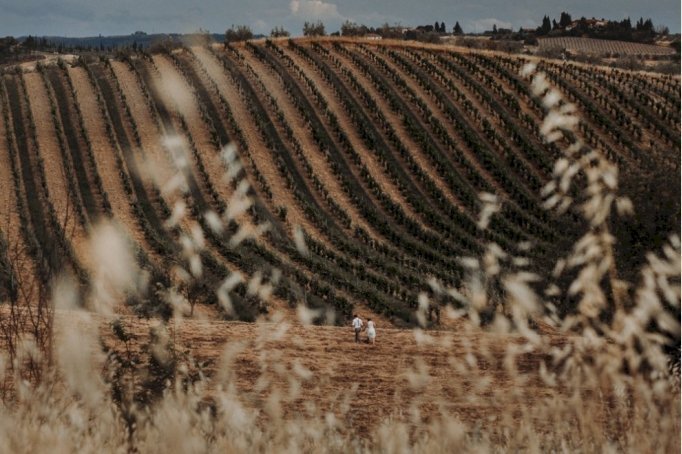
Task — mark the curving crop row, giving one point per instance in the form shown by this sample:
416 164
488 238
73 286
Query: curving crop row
236 132
471 140
339 275
113 103
392 266
47 240
325 141
70 174
456 225
289 171
508 71
76 145
530 206
29 234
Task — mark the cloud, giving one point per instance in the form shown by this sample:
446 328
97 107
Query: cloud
529 23
314 9
260 26
481 25
377 18
91 17
46 9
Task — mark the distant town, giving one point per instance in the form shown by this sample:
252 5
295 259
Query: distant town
643 31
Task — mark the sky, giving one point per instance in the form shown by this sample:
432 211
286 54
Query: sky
76 18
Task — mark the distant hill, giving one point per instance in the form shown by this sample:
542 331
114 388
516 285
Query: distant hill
603 47
138 39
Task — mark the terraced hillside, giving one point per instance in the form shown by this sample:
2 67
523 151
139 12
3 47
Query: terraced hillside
366 161
603 46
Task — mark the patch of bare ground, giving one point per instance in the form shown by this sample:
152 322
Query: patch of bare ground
10 223
55 174
198 128
169 84
322 365
488 113
434 110
481 110
309 149
274 85
105 161
393 118
151 159
151 138
366 156
258 151
230 92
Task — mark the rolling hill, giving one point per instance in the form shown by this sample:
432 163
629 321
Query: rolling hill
364 160
604 47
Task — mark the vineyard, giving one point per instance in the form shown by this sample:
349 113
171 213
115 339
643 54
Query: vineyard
357 177
518 215
604 47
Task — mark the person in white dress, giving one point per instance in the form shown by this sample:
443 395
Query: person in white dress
371 331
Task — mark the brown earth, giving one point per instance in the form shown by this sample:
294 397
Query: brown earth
421 159
10 224
368 160
281 196
394 118
55 173
432 371
313 155
104 155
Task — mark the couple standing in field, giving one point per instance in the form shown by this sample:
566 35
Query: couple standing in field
358 325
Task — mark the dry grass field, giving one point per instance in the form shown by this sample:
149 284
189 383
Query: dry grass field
377 381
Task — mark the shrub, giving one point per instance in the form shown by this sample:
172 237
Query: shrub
632 63
238 33
313 29
279 32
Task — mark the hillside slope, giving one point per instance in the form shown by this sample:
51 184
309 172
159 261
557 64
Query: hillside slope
372 155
